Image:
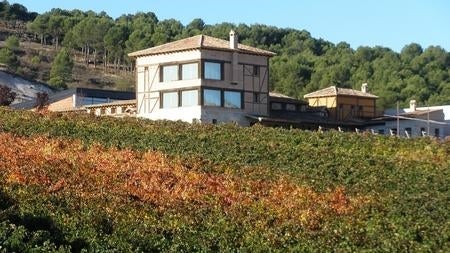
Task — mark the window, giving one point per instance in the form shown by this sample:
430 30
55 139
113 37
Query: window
393 131
381 131
256 97
189 97
169 73
212 97
213 70
408 130
189 71
113 110
422 131
436 132
124 108
102 111
170 99
255 70
232 99
251 70
303 108
276 106
291 107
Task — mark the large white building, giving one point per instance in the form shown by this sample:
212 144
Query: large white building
415 121
202 79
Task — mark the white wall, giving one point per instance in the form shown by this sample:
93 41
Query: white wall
413 124
186 114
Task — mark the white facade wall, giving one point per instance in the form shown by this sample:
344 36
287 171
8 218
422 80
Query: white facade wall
415 126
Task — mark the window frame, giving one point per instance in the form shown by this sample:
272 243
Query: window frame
232 91
276 109
213 89
222 69
161 72
180 96
290 104
161 104
179 70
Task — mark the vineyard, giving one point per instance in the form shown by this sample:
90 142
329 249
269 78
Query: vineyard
74 183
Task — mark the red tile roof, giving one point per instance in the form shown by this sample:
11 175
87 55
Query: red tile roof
199 42
334 91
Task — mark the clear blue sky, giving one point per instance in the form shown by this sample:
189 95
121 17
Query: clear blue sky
390 23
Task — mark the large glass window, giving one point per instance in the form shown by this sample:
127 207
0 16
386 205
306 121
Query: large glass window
189 71
170 99
232 99
189 97
170 73
291 107
276 106
213 70
212 97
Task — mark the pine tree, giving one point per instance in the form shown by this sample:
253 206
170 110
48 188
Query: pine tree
61 71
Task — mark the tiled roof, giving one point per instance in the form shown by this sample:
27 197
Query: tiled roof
199 42
115 103
333 91
274 96
279 95
419 112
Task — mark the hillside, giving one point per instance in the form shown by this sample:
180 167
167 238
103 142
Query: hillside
25 89
103 184
35 64
303 63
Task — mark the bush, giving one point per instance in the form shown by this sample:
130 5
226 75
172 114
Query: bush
104 184
6 95
41 100
12 43
8 58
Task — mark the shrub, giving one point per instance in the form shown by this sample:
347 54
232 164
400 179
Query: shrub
7 96
103 184
12 43
8 58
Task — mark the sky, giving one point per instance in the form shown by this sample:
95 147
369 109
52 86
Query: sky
388 23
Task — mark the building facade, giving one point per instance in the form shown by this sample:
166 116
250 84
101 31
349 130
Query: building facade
76 99
345 104
202 79
414 121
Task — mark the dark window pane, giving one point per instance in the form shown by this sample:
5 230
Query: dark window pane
211 97
276 106
232 99
291 107
213 70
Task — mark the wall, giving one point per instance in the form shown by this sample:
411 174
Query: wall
61 105
414 125
187 114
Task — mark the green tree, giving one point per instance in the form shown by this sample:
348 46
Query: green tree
61 71
12 42
8 58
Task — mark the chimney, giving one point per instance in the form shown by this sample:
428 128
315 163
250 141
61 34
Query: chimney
364 87
412 105
233 40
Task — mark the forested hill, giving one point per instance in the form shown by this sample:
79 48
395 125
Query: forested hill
303 63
